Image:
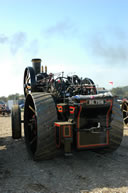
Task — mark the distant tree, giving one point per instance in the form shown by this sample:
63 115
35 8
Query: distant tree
120 91
117 91
16 96
3 98
13 96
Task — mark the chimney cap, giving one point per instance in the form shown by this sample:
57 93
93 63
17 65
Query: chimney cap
36 60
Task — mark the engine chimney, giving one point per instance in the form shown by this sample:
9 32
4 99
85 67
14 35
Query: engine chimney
36 63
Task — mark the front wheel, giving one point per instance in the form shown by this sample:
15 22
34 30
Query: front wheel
16 122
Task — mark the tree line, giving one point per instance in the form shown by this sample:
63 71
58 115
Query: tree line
120 91
16 96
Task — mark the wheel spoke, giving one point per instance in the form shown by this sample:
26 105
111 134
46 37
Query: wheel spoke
125 111
125 118
32 109
28 78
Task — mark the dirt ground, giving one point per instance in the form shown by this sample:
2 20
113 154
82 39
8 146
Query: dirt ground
84 172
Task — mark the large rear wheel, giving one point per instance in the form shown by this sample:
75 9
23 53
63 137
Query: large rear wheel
116 130
39 117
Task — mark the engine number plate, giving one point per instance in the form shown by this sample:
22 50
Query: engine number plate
96 102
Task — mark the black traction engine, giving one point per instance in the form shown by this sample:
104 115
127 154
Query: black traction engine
65 113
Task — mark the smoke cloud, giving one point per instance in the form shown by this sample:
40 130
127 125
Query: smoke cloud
62 28
17 41
3 39
111 48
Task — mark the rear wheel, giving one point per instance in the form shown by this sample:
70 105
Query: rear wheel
116 131
16 122
39 117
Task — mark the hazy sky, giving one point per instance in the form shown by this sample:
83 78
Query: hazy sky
85 37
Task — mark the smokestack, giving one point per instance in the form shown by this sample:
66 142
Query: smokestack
36 63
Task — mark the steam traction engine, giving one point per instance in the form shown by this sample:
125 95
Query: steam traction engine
65 113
